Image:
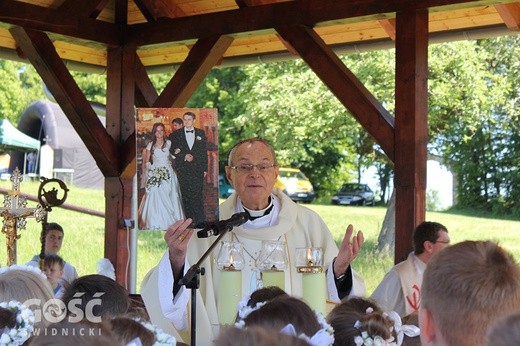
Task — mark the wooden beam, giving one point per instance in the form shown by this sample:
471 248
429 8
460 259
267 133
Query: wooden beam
155 9
202 58
118 205
411 126
343 83
85 8
145 93
120 120
264 17
42 55
389 26
510 14
121 126
40 18
121 12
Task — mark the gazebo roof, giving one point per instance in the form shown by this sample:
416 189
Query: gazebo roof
165 31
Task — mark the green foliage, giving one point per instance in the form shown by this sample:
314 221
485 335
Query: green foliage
20 86
474 113
432 200
93 86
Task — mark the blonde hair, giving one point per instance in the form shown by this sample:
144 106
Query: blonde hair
22 285
468 286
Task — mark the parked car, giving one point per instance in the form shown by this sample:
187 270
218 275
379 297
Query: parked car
295 184
354 194
224 187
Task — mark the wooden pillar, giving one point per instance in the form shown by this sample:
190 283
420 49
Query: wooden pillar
411 126
120 124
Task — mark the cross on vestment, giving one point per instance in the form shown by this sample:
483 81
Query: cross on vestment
14 214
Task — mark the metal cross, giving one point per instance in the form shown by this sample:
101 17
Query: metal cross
14 214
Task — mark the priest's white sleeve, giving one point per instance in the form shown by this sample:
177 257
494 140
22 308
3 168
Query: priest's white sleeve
173 308
358 285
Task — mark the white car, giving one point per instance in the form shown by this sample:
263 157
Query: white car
354 194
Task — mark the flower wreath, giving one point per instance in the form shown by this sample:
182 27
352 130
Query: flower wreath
400 330
161 338
23 328
24 267
323 337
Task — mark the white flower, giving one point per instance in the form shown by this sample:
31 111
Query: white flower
23 327
4 339
161 338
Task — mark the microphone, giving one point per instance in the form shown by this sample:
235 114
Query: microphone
223 225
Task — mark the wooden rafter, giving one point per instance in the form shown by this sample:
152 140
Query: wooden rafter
145 93
510 13
86 8
40 51
121 10
155 9
343 83
254 18
389 26
59 22
201 59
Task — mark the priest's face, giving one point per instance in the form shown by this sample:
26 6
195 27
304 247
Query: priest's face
253 174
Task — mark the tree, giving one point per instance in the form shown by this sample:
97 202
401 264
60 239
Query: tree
20 86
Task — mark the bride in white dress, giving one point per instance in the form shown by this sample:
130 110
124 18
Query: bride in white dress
161 205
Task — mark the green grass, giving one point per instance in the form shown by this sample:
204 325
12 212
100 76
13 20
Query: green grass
84 244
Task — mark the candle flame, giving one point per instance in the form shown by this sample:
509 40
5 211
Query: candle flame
231 259
309 257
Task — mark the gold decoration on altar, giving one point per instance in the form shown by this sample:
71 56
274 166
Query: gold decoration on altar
14 214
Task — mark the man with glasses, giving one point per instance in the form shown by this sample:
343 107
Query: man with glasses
400 289
252 170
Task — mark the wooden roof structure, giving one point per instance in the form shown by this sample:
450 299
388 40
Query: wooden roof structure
128 39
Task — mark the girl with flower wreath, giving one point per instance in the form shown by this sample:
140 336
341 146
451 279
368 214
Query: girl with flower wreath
361 322
161 205
291 316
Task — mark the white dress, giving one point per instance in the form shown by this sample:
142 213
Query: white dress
161 205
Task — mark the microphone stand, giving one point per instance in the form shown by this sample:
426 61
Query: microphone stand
192 280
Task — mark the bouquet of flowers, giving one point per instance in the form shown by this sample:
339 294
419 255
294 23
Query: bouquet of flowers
156 176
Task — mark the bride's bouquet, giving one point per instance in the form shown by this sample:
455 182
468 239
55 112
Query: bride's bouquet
156 176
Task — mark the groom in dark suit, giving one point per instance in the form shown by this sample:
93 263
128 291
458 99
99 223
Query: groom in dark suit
189 148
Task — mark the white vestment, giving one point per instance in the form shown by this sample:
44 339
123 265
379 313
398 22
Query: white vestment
298 226
400 289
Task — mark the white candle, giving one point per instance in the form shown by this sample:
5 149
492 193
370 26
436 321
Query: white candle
314 286
273 277
229 294
314 283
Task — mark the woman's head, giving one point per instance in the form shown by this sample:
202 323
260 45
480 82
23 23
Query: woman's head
158 130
